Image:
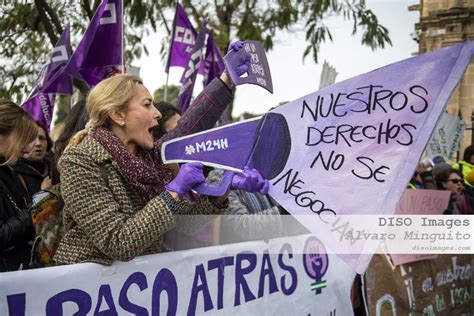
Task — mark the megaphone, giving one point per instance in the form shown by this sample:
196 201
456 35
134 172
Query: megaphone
263 143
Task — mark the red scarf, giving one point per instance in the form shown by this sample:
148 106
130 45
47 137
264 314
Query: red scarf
146 176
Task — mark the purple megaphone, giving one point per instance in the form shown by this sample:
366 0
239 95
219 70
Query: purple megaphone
261 143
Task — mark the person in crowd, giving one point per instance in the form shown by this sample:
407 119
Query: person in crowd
447 178
17 133
75 121
466 165
251 216
33 169
170 116
423 177
119 197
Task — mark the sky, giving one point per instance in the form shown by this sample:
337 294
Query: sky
293 78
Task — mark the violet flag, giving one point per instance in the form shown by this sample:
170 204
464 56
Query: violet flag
40 107
213 61
100 51
182 40
53 79
190 72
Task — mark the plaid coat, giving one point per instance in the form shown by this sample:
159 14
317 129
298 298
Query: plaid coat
109 220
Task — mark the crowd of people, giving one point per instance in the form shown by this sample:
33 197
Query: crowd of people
120 200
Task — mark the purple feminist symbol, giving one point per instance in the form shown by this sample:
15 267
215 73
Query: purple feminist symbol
316 263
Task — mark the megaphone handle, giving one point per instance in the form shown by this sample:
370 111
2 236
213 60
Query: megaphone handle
216 190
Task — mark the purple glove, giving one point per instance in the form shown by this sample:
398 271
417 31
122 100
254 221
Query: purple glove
243 64
189 175
235 46
250 180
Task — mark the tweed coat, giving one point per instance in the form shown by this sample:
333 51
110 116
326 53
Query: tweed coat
108 220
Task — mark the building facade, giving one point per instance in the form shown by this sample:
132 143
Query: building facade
444 23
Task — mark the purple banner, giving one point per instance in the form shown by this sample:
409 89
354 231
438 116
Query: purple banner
40 107
352 147
101 47
259 72
190 72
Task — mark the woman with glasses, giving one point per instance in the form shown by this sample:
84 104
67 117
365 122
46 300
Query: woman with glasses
451 179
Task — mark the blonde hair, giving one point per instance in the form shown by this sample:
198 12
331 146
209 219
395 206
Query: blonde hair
18 126
109 96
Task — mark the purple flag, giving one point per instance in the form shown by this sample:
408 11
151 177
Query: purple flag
182 40
190 72
213 61
40 107
101 48
53 79
259 72
350 148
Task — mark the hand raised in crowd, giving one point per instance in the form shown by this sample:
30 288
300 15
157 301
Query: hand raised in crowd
189 175
250 180
244 63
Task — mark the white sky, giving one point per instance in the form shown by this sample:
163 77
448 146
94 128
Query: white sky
291 77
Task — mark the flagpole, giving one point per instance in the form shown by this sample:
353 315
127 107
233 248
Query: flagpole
122 38
166 86
169 52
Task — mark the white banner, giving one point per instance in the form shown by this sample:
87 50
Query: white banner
446 137
273 278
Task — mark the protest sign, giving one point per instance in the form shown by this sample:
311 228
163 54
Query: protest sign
259 71
441 286
351 148
101 47
420 202
446 137
281 277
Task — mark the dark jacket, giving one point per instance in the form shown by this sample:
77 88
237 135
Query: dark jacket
16 229
32 173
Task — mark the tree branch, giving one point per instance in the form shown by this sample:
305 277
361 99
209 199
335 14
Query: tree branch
54 17
47 23
94 8
87 7
164 21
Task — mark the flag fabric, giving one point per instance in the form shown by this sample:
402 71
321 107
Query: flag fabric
100 52
190 72
53 80
182 40
213 61
41 107
350 148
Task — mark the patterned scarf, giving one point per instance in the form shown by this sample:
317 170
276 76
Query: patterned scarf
147 179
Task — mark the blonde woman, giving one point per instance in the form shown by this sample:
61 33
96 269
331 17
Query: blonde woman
17 134
113 180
